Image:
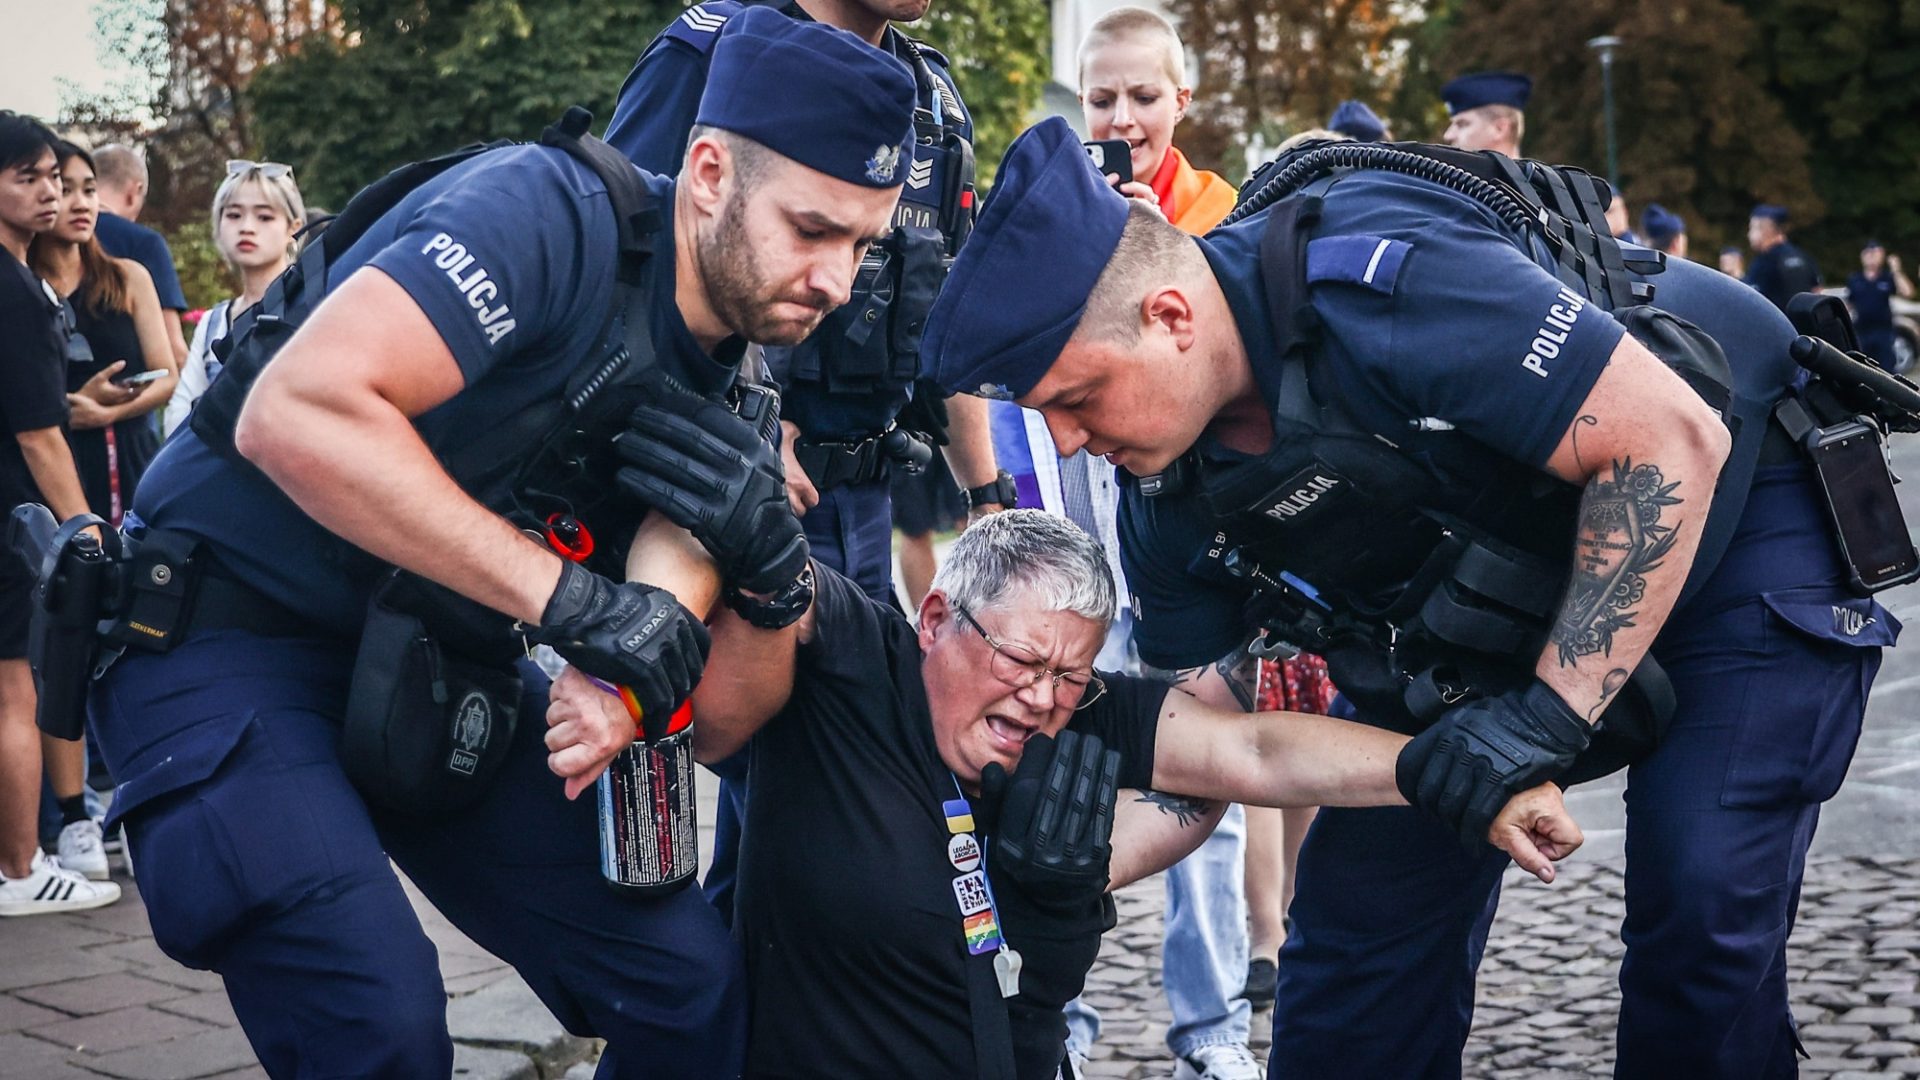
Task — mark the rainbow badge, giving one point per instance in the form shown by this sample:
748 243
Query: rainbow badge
983 934
959 815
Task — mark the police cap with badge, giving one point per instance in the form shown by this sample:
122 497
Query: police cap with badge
1483 88
812 93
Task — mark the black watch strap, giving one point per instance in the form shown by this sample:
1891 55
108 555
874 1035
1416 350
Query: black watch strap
1002 492
776 612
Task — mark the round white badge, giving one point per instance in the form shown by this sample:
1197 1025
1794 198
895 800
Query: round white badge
964 853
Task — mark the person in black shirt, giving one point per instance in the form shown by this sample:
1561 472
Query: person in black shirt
1779 270
1870 293
35 466
869 902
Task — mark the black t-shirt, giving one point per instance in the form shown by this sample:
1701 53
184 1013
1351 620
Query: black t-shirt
855 949
32 369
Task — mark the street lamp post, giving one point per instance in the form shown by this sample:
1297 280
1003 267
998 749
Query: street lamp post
1605 45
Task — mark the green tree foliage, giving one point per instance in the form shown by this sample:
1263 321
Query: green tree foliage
1269 68
999 53
407 79
204 275
1848 77
1698 130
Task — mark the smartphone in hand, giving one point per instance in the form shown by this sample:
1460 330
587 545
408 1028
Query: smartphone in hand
139 379
1112 157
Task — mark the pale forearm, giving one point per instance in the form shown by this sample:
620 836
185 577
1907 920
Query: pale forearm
969 450
50 462
666 556
1153 830
355 464
1310 760
749 678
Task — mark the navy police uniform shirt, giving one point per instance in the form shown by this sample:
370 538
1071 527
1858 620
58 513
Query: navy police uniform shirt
1872 301
1782 272
519 305
847 899
651 122
132 240
1457 323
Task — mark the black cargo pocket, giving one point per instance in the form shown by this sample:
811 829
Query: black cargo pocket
1803 708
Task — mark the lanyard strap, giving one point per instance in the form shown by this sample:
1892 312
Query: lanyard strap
992 1030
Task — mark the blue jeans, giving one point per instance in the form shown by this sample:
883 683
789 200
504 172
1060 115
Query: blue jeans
1203 957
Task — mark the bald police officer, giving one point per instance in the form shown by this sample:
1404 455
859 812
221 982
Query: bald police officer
1385 431
1487 110
474 300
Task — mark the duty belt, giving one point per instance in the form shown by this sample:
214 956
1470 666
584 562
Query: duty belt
841 464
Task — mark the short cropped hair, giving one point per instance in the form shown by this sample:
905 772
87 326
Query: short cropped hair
1152 251
1512 115
1028 556
751 158
117 165
1139 24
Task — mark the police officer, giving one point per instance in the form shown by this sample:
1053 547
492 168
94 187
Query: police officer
1488 110
473 300
1870 292
843 388
1354 120
1664 230
1779 269
1489 409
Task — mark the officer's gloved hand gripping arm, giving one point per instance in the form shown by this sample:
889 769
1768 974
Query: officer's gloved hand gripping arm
1648 453
334 431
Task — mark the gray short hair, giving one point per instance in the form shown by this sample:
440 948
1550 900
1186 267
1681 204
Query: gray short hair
118 165
1041 554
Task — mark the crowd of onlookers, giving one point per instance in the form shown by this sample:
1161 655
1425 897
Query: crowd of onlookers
94 358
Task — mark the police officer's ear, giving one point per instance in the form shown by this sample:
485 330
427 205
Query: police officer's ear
1167 314
709 172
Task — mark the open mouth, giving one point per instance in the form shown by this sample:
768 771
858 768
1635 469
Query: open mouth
1009 734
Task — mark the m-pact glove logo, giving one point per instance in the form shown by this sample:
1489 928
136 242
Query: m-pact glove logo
1554 330
478 287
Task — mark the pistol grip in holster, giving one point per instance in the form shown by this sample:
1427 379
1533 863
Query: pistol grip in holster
75 583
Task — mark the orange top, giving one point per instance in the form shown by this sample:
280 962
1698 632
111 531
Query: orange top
1193 199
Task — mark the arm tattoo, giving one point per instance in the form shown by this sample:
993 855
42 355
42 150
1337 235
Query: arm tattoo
1609 686
1621 540
1187 809
1239 669
1241 672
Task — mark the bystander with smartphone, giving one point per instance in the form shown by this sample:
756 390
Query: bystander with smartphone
256 212
117 335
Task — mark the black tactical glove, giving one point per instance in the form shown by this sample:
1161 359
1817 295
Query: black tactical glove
714 476
1473 759
1051 822
626 633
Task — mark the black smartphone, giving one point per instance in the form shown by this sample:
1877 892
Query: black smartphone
140 379
1873 534
1112 156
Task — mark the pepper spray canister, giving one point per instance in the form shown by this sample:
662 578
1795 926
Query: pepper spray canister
648 822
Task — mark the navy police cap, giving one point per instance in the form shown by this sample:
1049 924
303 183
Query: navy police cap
817 95
1020 285
1660 224
1353 118
1487 88
1776 214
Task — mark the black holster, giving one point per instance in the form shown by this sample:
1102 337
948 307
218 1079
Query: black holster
434 699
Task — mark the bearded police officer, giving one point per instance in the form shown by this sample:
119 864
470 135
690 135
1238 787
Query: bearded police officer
476 300
1436 456
844 387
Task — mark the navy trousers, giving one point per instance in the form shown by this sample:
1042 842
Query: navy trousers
257 859
1771 664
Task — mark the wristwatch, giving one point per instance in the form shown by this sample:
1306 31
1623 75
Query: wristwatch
778 611
1002 492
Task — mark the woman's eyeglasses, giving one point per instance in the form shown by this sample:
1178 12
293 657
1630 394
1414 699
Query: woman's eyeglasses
272 170
1020 667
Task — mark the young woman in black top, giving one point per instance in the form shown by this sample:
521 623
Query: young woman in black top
115 313
35 466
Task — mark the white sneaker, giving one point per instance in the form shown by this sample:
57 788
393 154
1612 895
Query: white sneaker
82 848
50 887
1226 1061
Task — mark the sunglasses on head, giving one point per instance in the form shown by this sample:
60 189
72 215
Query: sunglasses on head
272 170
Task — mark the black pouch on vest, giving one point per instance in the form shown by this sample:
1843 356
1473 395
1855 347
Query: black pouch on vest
427 726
